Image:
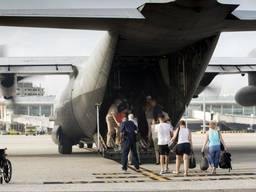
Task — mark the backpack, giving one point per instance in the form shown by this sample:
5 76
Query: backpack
204 164
192 161
225 160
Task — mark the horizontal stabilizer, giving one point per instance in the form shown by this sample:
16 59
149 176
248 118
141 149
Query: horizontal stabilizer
23 66
231 65
245 14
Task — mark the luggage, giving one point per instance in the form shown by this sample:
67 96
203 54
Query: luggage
225 161
192 161
222 148
172 144
204 164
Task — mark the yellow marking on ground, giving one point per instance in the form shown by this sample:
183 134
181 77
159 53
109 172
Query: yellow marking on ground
151 174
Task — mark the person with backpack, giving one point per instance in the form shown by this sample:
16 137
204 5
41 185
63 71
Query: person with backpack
183 147
214 140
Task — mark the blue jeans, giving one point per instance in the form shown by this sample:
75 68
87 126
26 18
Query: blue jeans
214 155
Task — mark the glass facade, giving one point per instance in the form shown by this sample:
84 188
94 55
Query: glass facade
227 109
248 110
237 110
46 110
216 108
33 110
21 110
234 109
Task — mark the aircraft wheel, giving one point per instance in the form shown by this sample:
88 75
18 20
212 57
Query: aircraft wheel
89 145
81 145
65 146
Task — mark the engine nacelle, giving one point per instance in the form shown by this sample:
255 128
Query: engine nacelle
246 96
8 84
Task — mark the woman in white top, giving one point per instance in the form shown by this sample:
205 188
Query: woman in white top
183 148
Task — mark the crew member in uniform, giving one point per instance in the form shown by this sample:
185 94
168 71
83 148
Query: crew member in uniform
128 135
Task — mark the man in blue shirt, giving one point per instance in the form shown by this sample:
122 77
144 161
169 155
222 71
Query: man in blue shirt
128 135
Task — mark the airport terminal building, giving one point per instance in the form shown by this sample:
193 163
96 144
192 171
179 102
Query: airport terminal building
31 108
224 105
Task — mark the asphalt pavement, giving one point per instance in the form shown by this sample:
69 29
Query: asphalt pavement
37 166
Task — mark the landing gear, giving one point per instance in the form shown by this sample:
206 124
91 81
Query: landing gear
7 171
5 167
65 145
89 145
81 145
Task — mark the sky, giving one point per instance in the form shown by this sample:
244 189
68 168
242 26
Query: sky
23 42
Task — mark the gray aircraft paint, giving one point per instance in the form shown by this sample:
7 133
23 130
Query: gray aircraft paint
90 82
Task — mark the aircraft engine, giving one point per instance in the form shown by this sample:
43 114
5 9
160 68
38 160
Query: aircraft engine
246 96
8 84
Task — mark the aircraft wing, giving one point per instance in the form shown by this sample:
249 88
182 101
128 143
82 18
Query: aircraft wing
24 66
75 14
107 15
121 13
231 65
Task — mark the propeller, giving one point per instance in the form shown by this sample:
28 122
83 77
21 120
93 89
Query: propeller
8 82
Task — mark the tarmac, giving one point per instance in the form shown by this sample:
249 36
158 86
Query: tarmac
37 166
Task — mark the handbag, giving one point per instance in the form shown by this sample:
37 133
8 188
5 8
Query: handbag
172 144
204 164
222 148
192 161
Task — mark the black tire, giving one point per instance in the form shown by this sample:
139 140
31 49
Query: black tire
1 180
81 145
89 145
7 171
65 146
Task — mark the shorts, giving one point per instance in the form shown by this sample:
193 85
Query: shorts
183 148
164 150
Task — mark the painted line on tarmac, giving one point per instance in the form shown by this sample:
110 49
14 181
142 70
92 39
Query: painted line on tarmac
150 174
138 180
120 173
119 177
93 182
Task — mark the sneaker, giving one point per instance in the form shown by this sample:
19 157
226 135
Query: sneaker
167 171
175 173
124 169
137 168
162 172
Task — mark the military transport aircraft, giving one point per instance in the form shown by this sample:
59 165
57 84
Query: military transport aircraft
161 48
